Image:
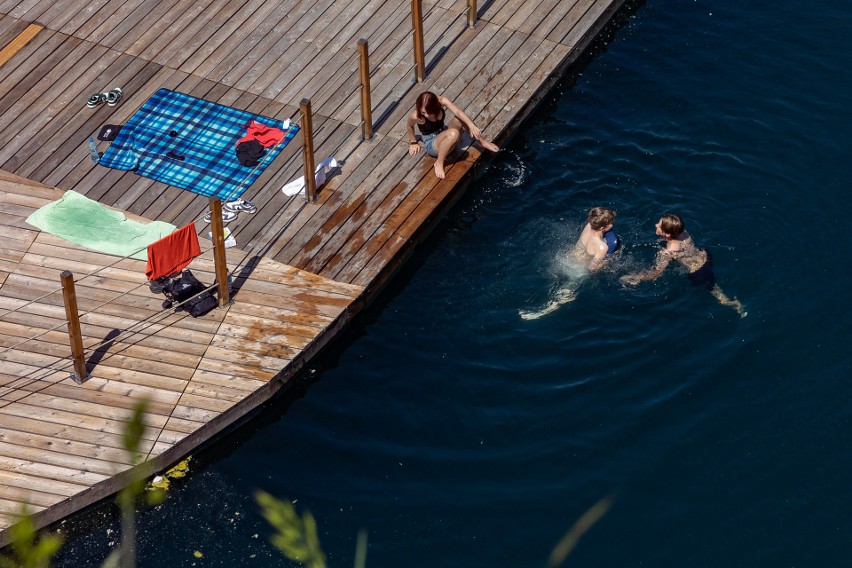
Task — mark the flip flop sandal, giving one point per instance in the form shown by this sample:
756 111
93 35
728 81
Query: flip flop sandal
113 96
240 206
96 99
227 216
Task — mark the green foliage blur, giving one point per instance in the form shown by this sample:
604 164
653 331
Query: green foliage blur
296 537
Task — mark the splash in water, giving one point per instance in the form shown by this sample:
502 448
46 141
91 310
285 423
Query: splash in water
513 171
570 271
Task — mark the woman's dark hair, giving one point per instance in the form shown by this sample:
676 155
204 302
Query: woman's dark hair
429 101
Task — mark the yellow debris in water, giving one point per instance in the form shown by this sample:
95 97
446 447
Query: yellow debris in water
179 470
197 554
163 481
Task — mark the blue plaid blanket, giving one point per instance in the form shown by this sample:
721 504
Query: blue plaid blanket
190 143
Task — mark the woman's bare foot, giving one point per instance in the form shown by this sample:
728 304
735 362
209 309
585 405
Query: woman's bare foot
439 170
490 146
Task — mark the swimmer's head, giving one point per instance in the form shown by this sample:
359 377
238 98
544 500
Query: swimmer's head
601 218
670 226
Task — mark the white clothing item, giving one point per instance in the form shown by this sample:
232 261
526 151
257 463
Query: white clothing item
230 241
320 175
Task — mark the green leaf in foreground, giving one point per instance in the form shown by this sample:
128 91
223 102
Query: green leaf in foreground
29 550
296 537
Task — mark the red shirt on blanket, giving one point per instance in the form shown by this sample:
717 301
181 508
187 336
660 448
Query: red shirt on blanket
266 135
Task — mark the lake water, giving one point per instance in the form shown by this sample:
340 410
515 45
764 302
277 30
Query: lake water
460 435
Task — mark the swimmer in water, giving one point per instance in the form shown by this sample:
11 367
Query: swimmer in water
596 244
697 261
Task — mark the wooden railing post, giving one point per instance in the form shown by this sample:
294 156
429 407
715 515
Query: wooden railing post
366 105
417 24
74 333
471 13
219 259
308 151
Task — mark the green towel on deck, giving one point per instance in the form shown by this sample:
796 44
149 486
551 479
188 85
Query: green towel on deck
87 223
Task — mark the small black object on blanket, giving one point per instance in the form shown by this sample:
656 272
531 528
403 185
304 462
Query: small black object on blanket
250 152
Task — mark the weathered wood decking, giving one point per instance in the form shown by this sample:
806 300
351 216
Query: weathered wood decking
62 441
306 268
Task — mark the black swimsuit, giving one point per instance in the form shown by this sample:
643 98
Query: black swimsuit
432 126
704 276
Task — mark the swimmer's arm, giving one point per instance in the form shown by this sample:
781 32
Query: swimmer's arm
663 261
599 258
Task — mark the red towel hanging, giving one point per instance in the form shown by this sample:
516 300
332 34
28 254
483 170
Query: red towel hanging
172 253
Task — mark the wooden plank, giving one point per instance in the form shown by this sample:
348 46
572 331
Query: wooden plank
94 22
226 24
39 499
54 15
60 434
356 18
27 67
85 464
284 51
18 43
343 101
59 473
51 100
348 216
79 413
188 26
244 41
65 156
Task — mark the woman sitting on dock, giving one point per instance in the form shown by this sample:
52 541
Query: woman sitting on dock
441 139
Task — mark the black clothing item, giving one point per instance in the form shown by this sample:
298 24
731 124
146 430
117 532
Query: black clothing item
250 152
432 126
109 132
704 277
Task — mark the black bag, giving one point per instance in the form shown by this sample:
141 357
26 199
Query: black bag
109 132
183 287
201 305
186 286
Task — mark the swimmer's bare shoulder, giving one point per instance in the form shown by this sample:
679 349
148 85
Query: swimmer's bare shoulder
685 251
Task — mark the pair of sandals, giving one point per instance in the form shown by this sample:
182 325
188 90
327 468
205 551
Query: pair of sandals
232 209
111 98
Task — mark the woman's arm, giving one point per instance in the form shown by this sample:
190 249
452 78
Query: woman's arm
413 146
663 261
474 131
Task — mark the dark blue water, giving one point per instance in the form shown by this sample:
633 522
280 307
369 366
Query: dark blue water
460 435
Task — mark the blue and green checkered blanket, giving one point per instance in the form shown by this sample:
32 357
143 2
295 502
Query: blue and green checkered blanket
190 143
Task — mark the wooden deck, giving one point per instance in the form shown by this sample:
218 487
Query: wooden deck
62 441
307 268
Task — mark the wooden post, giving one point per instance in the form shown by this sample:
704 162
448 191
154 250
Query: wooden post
219 259
417 24
366 105
74 333
308 150
471 13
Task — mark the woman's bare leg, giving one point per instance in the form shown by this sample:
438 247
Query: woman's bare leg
490 146
445 143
